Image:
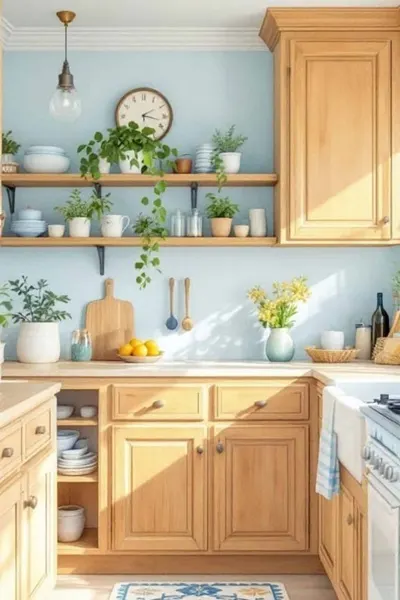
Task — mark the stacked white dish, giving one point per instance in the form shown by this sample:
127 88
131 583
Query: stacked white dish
46 159
29 223
203 162
75 460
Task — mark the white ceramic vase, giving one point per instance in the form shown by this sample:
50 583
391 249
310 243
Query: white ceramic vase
70 523
38 343
7 158
258 222
79 227
104 166
231 161
125 165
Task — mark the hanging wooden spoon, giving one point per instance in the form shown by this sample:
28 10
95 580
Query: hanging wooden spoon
187 323
171 322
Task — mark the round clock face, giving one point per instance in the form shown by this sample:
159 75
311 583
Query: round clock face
148 108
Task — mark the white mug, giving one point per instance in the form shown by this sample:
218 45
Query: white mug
56 230
113 225
332 340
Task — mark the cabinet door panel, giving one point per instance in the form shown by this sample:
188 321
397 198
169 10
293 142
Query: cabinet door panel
340 131
159 495
261 488
347 545
328 533
10 542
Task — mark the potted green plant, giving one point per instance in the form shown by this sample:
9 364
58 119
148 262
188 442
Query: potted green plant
226 146
39 336
221 212
277 312
98 156
9 148
79 212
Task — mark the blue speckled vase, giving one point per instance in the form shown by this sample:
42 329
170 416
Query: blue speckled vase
279 346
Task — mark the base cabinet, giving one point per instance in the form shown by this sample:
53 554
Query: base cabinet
11 550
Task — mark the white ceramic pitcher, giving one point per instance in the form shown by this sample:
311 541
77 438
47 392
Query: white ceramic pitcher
114 225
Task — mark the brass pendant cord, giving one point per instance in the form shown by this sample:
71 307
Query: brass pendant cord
65 43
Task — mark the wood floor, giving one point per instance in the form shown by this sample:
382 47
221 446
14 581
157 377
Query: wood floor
98 587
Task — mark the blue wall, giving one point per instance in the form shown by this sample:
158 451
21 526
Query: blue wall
206 90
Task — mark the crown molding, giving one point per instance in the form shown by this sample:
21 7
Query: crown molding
130 38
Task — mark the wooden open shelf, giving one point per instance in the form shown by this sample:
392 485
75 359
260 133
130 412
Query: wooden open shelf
211 242
87 544
133 180
77 422
91 478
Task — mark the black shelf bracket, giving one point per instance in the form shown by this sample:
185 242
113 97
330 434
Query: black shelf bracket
97 187
101 251
10 189
194 188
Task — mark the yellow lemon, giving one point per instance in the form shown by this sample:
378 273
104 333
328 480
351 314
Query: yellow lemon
135 342
125 350
139 350
152 348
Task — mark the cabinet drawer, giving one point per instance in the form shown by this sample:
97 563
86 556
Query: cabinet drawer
37 429
261 401
159 402
10 448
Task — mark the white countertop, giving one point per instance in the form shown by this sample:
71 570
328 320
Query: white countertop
19 397
326 373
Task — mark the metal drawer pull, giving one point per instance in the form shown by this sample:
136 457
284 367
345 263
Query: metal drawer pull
158 403
260 403
385 220
199 449
40 430
7 453
31 503
220 448
350 519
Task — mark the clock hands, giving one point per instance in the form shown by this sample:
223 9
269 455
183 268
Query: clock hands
147 113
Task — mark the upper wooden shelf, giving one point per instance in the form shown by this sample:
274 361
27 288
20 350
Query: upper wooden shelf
193 242
122 180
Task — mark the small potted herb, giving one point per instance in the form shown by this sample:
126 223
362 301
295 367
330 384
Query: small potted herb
221 212
78 212
9 148
226 146
39 336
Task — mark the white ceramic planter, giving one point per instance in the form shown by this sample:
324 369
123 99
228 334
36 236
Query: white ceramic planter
125 165
38 343
7 158
79 227
104 166
231 161
71 523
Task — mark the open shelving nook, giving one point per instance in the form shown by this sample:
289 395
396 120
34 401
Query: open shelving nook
193 180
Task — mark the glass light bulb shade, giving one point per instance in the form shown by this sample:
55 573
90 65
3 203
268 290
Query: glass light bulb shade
65 105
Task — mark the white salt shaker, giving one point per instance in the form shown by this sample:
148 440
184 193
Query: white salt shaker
363 341
258 222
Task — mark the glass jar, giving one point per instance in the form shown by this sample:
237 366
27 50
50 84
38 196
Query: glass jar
178 224
194 226
81 346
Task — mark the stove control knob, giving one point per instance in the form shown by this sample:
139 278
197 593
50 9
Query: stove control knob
377 463
388 472
394 477
366 453
382 468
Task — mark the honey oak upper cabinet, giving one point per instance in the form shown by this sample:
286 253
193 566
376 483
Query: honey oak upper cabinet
260 488
336 91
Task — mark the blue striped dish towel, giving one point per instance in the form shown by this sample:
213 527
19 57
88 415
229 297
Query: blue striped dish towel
328 478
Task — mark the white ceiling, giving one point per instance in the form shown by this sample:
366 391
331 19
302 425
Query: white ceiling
158 13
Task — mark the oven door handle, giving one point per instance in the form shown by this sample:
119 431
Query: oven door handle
390 499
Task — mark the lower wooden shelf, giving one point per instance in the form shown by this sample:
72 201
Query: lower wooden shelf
91 478
66 242
87 544
77 422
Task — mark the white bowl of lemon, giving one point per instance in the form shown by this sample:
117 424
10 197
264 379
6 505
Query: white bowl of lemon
137 351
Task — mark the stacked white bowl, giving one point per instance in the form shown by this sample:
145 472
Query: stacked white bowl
46 159
29 223
74 457
203 162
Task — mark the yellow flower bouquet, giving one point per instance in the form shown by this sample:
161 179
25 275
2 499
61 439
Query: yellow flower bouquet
279 310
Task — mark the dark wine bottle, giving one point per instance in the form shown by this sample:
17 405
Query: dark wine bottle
380 321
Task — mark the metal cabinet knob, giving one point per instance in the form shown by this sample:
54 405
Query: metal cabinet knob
220 447
31 502
40 430
158 403
260 403
350 519
7 452
385 220
200 450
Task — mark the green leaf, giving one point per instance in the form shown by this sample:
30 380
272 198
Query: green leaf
98 136
145 201
139 265
157 203
81 147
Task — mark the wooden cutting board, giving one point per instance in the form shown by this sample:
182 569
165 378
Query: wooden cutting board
110 323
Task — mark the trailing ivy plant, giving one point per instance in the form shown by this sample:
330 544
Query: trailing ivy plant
8 144
77 207
38 302
5 305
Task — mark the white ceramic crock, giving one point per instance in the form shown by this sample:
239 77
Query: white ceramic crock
231 161
125 165
79 227
114 225
104 166
38 343
7 158
56 231
258 222
332 340
71 523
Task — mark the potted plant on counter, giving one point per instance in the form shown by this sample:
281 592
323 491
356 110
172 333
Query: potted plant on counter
226 146
78 212
9 148
277 313
39 336
221 212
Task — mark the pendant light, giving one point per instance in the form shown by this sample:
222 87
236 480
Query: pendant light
65 104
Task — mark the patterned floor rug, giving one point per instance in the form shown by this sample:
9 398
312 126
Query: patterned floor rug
199 591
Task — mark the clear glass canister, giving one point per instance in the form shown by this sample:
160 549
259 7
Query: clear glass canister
178 224
194 226
81 345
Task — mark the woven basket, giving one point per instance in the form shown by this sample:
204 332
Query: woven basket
331 356
380 342
10 168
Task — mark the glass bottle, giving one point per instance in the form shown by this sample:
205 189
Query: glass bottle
194 224
178 224
81 345
380 321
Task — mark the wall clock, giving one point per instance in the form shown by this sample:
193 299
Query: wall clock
148 108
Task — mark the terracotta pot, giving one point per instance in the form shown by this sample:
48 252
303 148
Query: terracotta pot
183 165
221 227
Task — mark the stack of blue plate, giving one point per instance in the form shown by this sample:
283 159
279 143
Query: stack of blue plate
203 163
53 150
29 223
